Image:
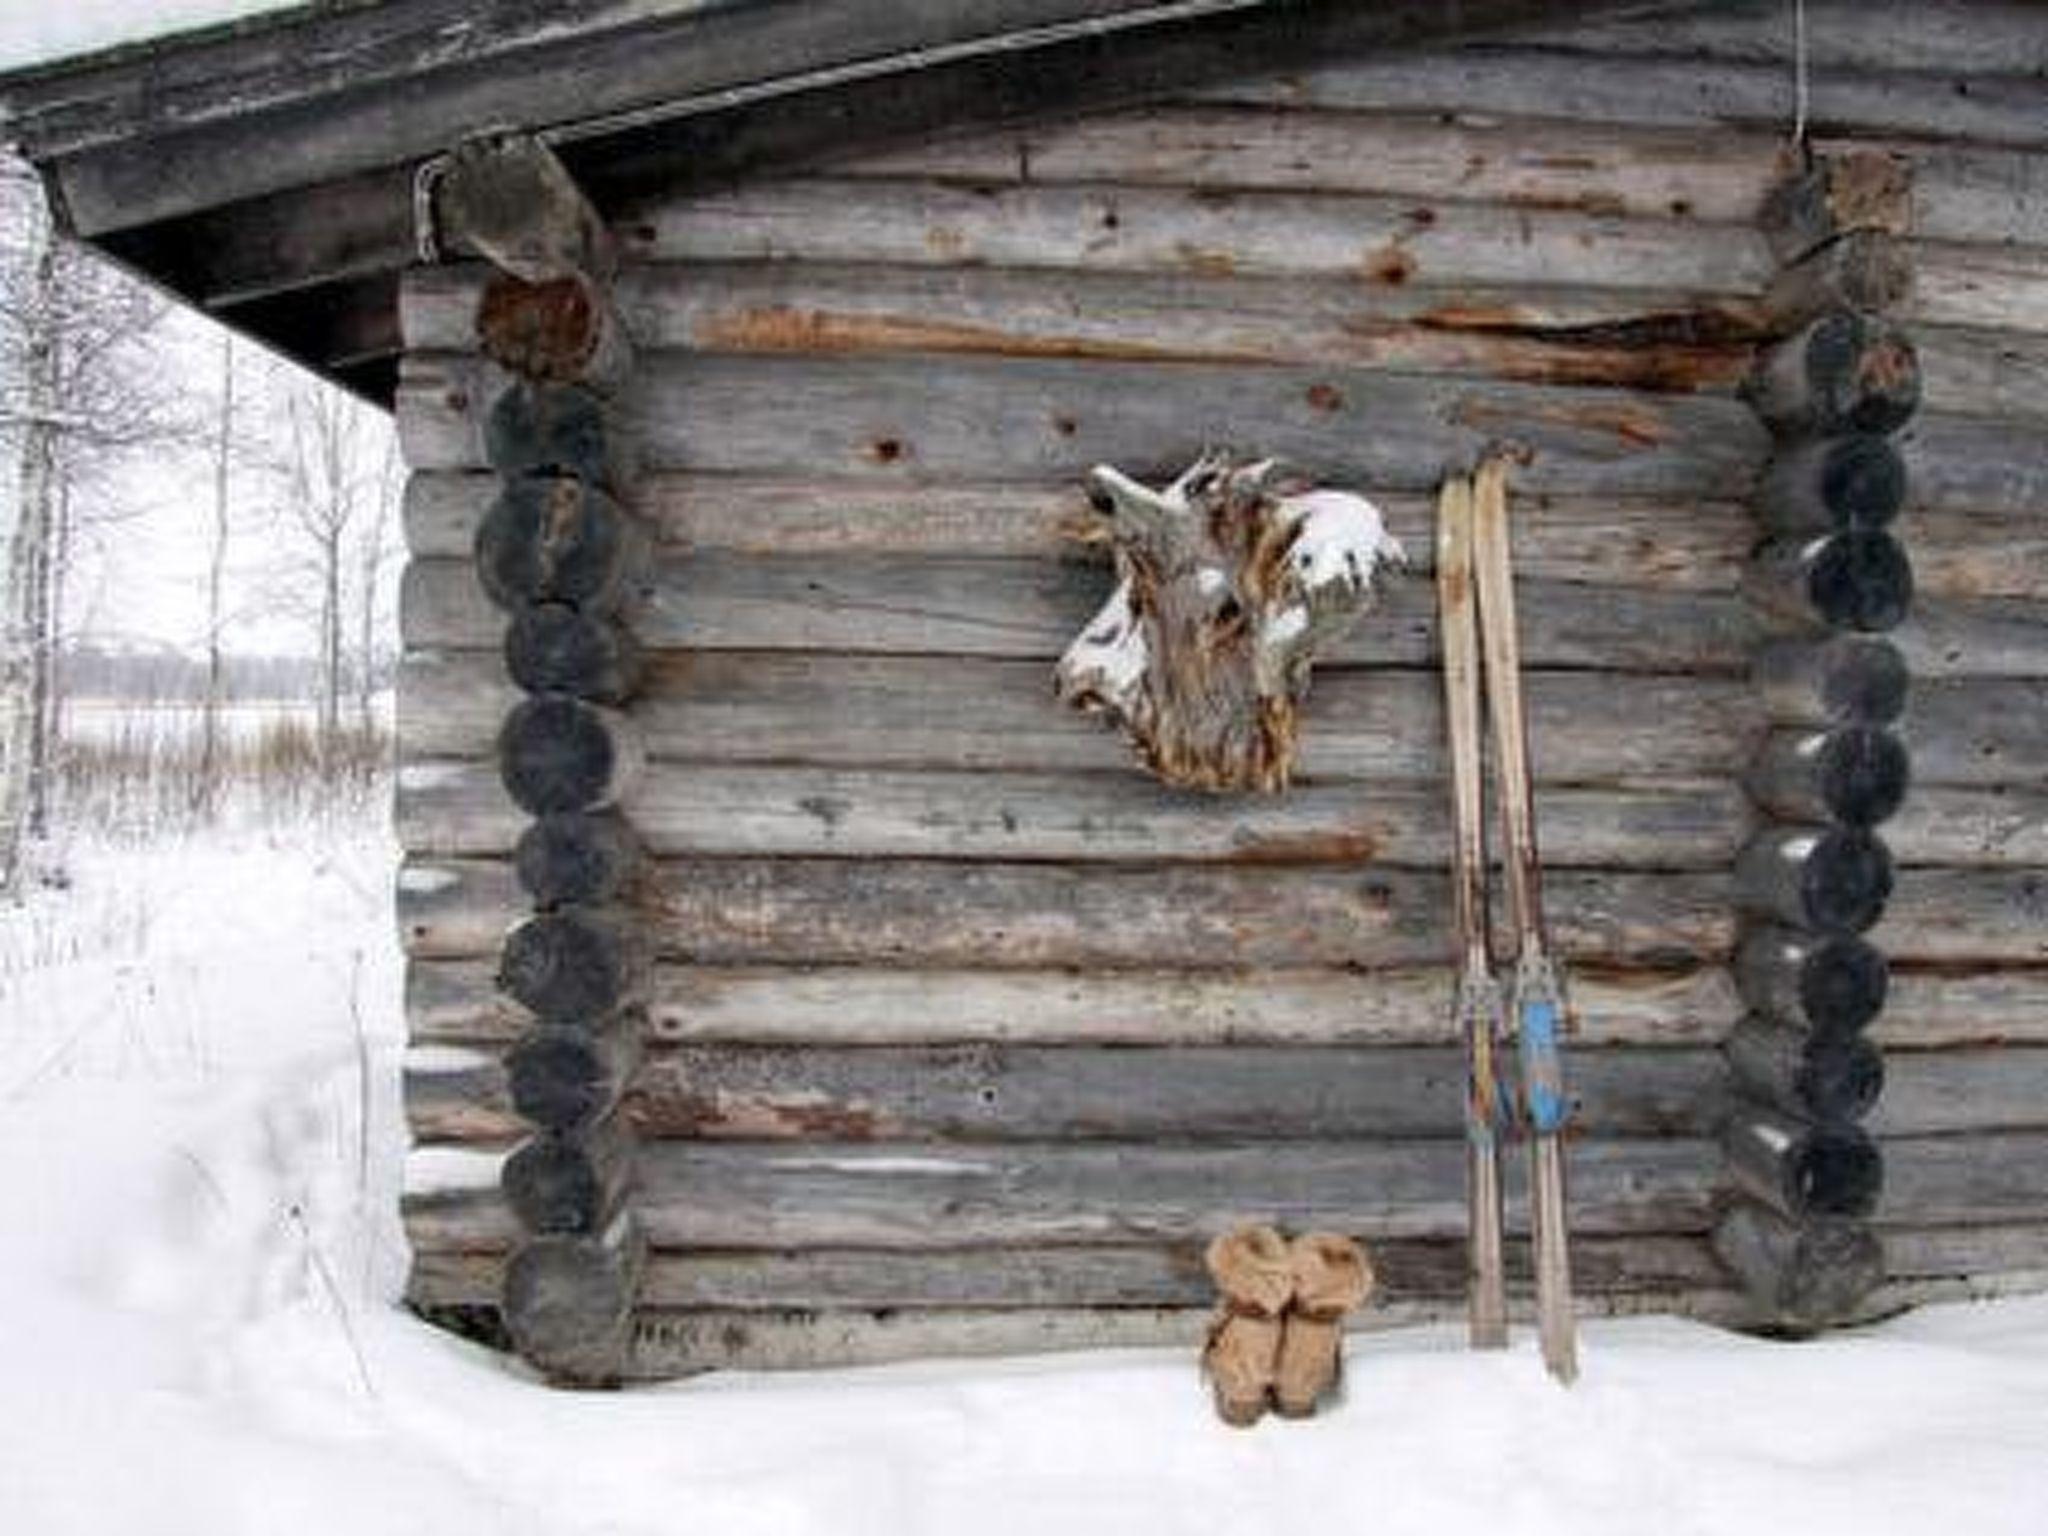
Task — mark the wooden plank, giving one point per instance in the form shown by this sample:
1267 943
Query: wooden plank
838 911
456 1002
1006 1093
1979 828
453 809
1609 541
1503 79
1963 1006
1982 917
1989 286
987 606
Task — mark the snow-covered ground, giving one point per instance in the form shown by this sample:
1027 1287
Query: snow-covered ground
198 1260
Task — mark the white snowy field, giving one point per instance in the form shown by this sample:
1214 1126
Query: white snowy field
199 1259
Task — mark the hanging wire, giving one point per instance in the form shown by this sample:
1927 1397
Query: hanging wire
1801 97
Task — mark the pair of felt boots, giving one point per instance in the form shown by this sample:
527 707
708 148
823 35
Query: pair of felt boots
1278 1342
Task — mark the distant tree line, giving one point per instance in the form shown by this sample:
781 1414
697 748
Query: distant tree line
93 671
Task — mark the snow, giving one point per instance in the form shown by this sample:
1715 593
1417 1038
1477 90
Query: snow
39 31
199 1265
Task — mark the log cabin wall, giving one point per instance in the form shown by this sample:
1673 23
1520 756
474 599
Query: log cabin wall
965 1033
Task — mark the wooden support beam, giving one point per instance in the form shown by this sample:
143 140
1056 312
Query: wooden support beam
507 198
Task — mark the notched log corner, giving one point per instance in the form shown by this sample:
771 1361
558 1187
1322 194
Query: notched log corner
1229 582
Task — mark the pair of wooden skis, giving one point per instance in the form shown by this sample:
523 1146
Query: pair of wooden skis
1476 598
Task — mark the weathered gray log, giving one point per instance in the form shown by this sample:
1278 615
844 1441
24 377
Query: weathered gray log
457 1094
561 754
554 648
554 539
568 1302
554 429
1837 195
837 710
507 198
1835 680
1853 481
1853 774
683 810
1802 1169
561 331
1803 1274
912 911
1855 580
1846 372
1042 418
1830 880
1980 915
1834 1077
575 965
1822 983
563 1079
1977 1005
456 1002
1101 1275
898 604
1866 272
734 1195
587 858
570 1185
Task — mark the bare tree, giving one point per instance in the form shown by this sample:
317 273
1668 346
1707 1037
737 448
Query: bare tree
375 551
208 783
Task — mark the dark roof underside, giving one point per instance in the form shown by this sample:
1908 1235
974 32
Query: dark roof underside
264 171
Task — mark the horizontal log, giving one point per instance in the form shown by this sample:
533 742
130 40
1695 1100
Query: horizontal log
1829 880
1695 545
1550 334
556 754
1852 774
454 1001
685 810
1803 1274
1050 418
1800 1169
1630 338
984 714
727 1195
1004 1093
1102 1275
1990 1005
589 858
1833 680
1967 917
1268 232
553 648
1855 580
574 965
1852 481
1980 828
570 1185
975 606
547 539
1823 983
838 911
1833 1077
1845 372
568 1302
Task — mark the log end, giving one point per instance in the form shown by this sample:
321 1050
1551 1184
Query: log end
568 1304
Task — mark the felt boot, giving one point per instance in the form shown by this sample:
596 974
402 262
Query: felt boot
1331 1277
1255 1279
